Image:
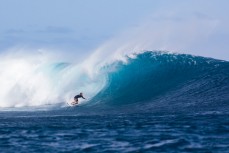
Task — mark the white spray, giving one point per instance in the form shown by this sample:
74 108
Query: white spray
40 78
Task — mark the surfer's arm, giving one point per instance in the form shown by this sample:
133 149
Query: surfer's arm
83 97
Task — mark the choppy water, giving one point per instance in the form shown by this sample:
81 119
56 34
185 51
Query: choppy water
115 133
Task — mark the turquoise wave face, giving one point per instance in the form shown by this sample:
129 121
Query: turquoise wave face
155 80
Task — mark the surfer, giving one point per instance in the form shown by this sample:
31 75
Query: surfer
76 98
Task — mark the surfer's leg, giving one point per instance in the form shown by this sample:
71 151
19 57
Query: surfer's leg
75 102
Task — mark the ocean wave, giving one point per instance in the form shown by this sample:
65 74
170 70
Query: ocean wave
150 80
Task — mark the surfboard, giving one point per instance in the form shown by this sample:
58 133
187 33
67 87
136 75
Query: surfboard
71 105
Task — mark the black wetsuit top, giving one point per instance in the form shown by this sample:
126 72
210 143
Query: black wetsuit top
78 96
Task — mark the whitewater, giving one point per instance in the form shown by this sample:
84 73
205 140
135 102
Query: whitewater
37 80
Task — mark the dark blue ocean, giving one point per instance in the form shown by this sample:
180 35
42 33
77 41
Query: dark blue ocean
154 102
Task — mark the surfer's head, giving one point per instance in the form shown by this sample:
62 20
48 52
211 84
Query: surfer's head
81 93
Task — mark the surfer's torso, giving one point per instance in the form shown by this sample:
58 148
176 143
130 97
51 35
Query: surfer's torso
78 96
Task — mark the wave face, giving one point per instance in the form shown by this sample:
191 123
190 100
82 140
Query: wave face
157 81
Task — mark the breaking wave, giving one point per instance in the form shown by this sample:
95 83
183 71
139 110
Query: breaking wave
144 81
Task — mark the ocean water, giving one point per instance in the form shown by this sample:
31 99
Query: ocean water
152 102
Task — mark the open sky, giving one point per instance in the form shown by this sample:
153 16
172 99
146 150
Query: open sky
198 27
